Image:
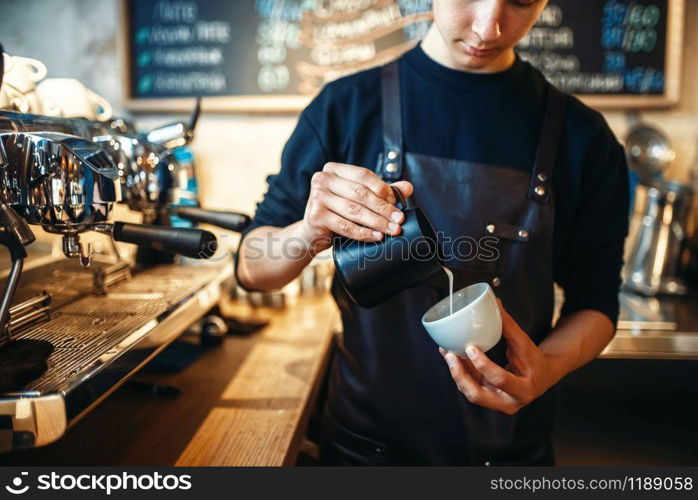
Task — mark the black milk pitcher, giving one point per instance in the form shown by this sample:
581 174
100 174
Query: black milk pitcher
373 272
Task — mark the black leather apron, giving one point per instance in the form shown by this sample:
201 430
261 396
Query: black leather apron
391 398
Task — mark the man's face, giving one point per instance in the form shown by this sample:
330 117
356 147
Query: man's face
479 33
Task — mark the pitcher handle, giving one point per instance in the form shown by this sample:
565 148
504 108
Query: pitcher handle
398 196
38 69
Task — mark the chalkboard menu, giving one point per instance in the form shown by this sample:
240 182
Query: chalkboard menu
276 54
607 47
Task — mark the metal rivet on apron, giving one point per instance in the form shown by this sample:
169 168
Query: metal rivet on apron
542 177
540 190
392 155
496 281
490 228
523 234
391 167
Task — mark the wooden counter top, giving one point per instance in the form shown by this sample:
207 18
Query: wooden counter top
245 402
261 411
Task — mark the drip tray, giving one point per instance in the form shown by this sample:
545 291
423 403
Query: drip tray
101 339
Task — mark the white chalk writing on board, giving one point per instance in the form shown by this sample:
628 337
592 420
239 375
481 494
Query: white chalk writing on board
188 47
340 37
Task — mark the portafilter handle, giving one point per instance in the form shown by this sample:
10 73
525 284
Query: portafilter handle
194 243
232 221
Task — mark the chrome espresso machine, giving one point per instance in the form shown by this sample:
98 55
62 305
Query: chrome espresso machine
74 328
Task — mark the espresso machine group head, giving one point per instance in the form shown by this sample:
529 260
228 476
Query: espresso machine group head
68 185
142 174
63 183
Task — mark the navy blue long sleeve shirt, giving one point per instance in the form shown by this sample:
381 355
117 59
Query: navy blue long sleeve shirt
485 118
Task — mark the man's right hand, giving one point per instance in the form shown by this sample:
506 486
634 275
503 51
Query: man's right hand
350 201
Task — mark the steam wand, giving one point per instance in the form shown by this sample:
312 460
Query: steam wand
16 235
18 254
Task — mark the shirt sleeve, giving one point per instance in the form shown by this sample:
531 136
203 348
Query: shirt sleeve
288 191
592 259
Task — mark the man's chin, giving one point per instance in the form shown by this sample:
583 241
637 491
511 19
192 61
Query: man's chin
471 63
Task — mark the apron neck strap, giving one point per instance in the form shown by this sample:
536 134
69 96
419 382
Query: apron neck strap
391 164
392 157
547 146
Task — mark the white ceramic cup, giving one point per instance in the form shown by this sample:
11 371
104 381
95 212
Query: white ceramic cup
70 98
476 320
33 68
13 100
18 90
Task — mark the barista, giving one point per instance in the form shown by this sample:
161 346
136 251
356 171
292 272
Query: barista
486 146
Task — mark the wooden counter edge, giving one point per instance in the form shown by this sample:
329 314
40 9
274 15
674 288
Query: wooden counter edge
217 443
297 439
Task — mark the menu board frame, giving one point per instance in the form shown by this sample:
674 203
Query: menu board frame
294 103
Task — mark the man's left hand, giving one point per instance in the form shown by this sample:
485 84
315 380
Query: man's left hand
527 375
